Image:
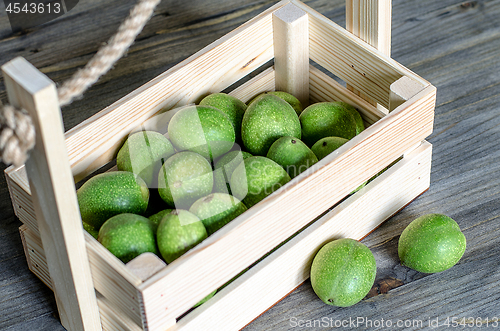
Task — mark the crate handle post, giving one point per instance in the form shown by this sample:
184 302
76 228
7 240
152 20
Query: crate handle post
291 51
370 20
54 196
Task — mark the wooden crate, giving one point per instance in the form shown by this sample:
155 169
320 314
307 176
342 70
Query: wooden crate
396 104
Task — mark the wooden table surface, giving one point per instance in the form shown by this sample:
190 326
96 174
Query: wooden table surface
454 45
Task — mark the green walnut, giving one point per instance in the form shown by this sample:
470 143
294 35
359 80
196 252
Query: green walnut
266 120
202 129
128 236
343 272
143 153
326 145
326 119
224 168
184 178
216 210
431 243
109 194
178 232
256 178
232 107
292 101
292 154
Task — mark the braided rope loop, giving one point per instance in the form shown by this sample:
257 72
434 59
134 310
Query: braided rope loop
17 134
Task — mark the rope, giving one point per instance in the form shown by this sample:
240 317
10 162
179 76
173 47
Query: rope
17 133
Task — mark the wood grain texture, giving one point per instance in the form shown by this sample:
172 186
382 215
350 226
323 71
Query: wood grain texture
291 52
359 64
112 317
453 44
402 90
54 196
371 21
292 260
358 160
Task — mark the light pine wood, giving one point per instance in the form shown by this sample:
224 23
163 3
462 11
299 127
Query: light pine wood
154 303
111 277
95 141
112 318
145 265
370 20
35 255
291 52
288 267
358 160
402 90
324 88
263 82
352 60
54 196
114 280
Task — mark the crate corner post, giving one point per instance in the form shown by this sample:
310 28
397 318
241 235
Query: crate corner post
291 51
370 20
54 196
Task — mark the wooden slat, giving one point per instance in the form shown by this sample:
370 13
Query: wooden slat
54 196
94 142
402 90
353 60
263 82
370 20
291 51
358 160
110 276
113 280
21 199
272 279
324 88
35 256
112 318
118 288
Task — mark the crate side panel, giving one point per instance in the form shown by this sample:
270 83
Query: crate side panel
263 82
112 318
324 88
22 203
284 270
356 62
35 255
113 280
120 292
251 235
95 141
